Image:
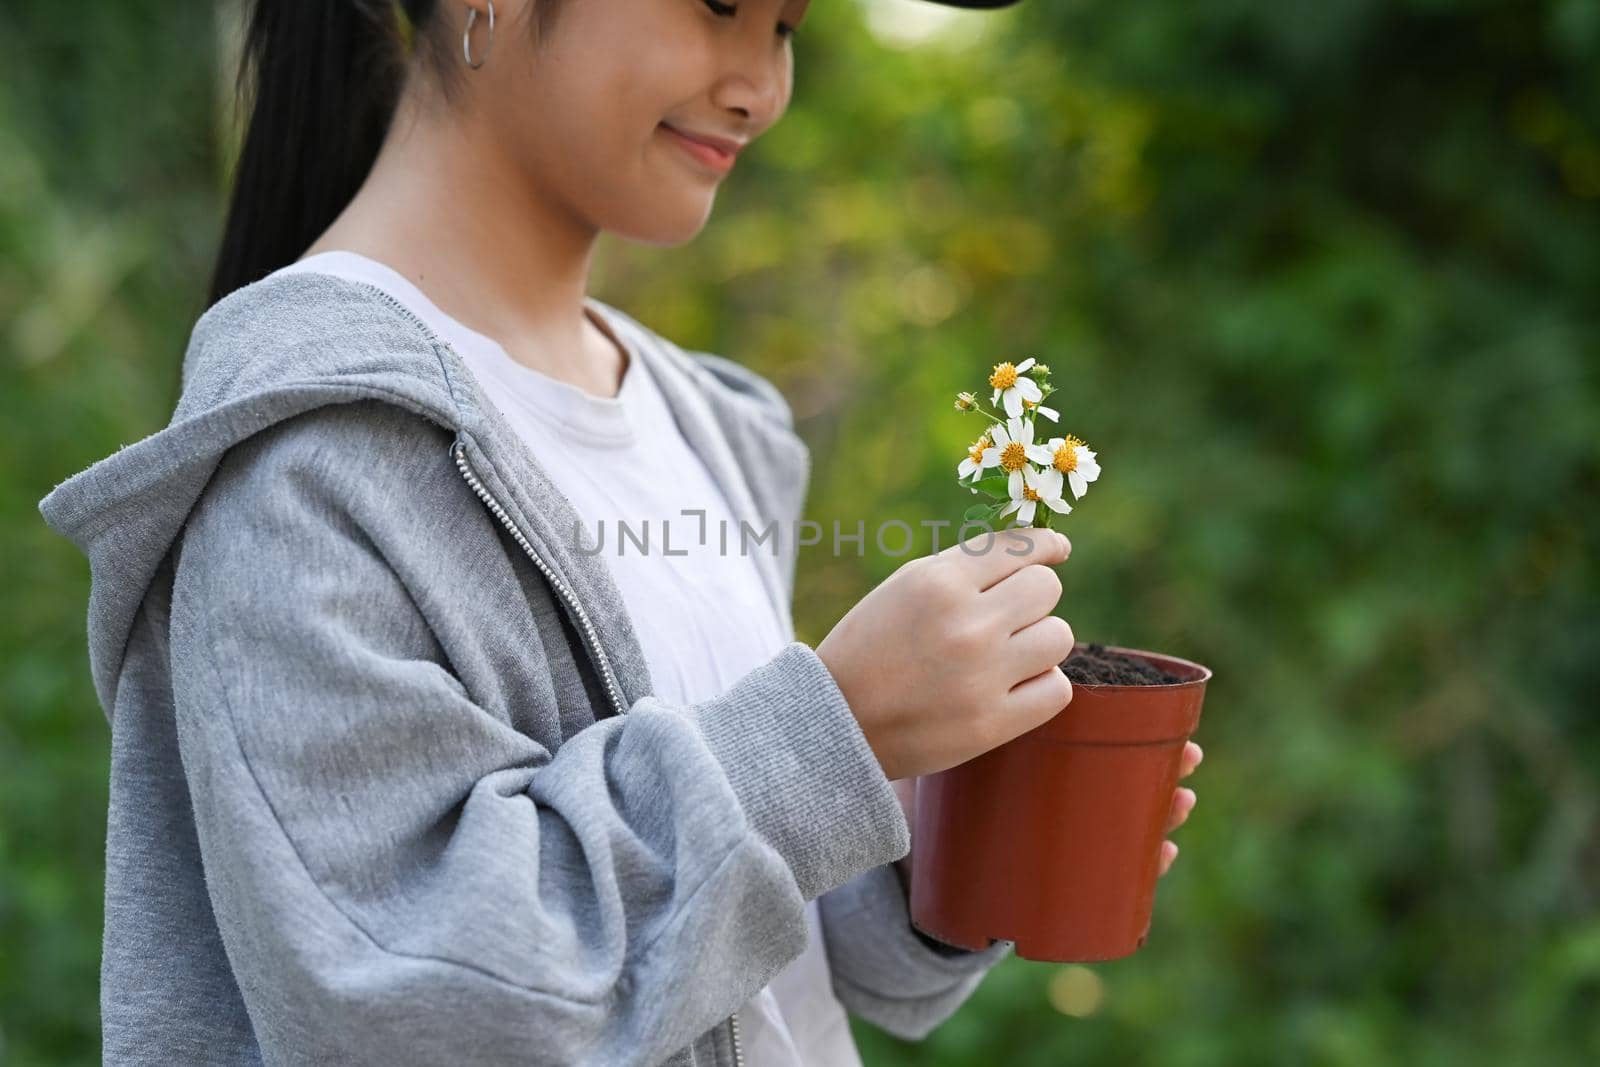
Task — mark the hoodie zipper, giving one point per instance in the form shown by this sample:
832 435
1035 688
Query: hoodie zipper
459 451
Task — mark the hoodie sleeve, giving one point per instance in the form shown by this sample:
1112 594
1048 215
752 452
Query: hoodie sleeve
399 874
885 970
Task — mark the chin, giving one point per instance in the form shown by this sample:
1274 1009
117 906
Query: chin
670 224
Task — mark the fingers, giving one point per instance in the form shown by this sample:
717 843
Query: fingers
994 554
1183 802
1192 755
1038 646
1034 701
1022 597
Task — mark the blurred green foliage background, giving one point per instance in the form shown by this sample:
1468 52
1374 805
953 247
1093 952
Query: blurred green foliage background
1319 281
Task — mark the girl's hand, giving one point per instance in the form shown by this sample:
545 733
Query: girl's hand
957 652
1183 802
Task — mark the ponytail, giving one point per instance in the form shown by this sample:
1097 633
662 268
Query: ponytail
326 77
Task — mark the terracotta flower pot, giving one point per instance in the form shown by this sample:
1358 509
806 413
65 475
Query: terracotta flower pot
1053 839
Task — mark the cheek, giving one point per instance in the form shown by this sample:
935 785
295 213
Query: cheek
616 103
595 141
648 60
577 117
675 80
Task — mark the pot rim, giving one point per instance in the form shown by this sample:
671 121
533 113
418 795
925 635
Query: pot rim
1202 678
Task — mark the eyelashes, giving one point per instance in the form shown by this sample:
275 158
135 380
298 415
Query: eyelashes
719 8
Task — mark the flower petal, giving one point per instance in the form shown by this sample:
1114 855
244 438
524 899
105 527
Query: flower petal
1029 389
1025 512
1014 485
1079 486
1024 365
1058 505
1040 454
1050 413
1013 402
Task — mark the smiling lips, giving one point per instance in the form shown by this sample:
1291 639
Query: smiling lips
719 159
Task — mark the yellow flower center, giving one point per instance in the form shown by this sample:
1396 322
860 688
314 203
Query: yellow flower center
1004 376
975 453
1066 457
1026 403
1028 493
1013 456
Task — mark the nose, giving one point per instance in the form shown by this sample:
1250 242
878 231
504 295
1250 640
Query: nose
757 76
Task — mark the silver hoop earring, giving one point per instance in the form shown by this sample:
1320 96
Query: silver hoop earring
466 36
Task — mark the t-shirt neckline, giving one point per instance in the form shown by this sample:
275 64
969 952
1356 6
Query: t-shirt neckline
583 416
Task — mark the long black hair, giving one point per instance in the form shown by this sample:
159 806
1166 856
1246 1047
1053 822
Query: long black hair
322 78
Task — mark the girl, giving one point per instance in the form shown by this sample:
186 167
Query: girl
406 769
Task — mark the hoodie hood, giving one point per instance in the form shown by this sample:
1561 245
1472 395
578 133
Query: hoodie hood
318 339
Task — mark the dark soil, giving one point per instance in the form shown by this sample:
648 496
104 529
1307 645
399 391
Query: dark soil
1093 665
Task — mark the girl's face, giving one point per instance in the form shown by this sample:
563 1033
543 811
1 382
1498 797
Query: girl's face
582 115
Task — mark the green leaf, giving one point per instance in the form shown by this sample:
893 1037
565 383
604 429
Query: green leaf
981 511
998 487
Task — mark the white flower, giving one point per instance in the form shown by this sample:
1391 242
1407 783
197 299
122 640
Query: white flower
1072 458
1008 382
979 456
1038 486
1013 447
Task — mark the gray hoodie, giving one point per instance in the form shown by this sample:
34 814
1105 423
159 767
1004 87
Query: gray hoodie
388 780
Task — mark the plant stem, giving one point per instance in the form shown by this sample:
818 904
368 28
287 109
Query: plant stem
978 406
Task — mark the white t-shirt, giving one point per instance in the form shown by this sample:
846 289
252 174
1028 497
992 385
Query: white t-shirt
703 618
